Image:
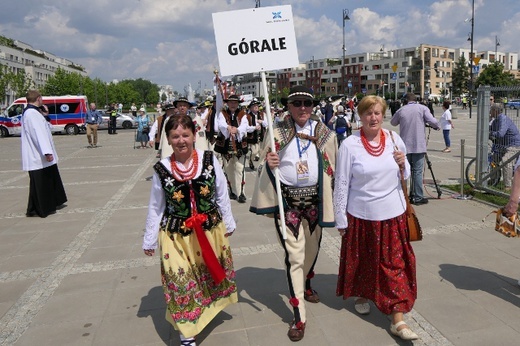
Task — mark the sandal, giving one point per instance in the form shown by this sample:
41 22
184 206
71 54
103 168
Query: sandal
362 306
406 333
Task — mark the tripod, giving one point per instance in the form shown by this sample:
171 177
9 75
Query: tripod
429 164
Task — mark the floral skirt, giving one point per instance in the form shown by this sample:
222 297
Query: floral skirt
377 262
192 298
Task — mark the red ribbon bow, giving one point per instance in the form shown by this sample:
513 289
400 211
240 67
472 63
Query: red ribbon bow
215 269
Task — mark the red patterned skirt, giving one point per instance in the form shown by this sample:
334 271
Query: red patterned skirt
377 263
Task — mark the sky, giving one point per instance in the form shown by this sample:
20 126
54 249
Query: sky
173 42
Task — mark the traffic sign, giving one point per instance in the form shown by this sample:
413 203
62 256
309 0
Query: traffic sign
394 68
393 76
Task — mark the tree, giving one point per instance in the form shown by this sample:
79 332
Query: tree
494 75
21 82
460 77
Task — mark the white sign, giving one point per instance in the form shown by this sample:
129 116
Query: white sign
255 40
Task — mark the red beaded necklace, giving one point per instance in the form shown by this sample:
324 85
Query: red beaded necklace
188 173
374 150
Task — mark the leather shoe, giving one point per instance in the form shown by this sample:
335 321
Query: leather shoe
242 198
232 195
311 296
420 201
297 331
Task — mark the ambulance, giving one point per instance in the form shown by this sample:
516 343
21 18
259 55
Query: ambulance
66 115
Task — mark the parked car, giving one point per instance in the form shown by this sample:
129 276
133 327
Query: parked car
124 121
513 104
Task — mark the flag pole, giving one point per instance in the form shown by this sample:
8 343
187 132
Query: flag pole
273 147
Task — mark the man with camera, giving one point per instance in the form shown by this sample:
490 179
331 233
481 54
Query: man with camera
412 119
93 119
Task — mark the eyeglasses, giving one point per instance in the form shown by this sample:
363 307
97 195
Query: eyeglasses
298 103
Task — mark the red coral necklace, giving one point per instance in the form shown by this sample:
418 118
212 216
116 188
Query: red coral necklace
376 150
188 173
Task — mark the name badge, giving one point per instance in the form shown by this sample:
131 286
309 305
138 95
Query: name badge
302 170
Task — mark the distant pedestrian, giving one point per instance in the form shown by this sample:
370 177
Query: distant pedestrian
143 128
93 119
412 119
133 109
40 159
341 124
446 125
112 119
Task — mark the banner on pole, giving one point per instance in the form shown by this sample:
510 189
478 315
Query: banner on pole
255 40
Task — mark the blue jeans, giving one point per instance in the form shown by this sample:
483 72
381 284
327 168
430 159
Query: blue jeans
446 134
416 179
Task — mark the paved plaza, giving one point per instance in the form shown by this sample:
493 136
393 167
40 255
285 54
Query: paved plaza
79 277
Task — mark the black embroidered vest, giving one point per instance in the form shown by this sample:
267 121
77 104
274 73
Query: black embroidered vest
178 204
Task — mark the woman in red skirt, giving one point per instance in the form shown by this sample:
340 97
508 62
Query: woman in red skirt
377 262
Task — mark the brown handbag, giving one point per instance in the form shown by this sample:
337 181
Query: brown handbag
412 222
508 226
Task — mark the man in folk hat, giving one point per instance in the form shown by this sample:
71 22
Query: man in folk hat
305 155
209 118
254 131
169 110
158 125
231 143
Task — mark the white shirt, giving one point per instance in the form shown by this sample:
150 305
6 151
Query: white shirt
366 186
242 127
157 201
36 139
153 130
290 156
445 120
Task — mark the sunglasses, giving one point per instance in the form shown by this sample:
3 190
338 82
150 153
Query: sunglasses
306 103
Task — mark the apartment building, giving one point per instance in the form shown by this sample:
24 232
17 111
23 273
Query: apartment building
425 70
17 56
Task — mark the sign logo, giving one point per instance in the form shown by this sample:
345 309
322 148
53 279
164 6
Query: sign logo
64 108
277 15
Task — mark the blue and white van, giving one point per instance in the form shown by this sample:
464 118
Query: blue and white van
66 114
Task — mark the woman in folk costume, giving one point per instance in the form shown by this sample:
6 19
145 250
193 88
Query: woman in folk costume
377 262
189 217
305 155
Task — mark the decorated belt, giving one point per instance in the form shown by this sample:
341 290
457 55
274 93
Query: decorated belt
296 192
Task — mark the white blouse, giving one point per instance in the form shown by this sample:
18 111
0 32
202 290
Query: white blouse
366 186
157 201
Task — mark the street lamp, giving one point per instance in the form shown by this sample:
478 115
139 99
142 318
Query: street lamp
345 18
471 57
382 50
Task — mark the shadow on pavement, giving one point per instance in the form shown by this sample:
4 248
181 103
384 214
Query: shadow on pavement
475 279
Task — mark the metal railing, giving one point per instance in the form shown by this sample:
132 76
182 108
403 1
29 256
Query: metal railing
489 166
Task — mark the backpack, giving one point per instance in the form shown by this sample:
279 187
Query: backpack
341 125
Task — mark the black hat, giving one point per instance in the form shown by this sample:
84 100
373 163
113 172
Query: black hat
204 104
254 103
299 91
232 98
182 99
168 106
